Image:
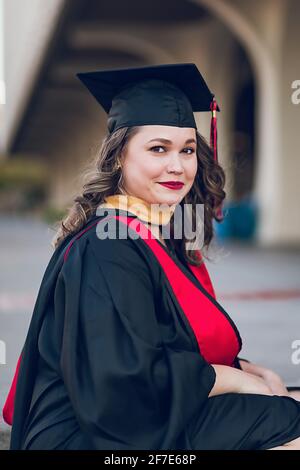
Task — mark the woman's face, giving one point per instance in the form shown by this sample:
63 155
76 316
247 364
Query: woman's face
160 154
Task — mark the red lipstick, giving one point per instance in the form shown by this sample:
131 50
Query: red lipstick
172 184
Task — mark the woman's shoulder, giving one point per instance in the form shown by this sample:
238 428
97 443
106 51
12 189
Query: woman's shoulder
109 245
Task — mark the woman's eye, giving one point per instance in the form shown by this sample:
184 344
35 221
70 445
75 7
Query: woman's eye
160 147
192 150
157 147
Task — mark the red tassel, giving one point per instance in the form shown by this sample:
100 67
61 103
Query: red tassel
214 140
213 129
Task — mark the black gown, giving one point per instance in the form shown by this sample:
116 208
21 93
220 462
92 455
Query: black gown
109 363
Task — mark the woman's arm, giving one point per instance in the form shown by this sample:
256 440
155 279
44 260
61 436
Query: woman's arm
127 387
273 380
232 380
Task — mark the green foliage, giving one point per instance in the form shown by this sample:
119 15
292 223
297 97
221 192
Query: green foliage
24 183
23 173
51 214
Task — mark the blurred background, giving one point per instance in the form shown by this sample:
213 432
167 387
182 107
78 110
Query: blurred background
50 126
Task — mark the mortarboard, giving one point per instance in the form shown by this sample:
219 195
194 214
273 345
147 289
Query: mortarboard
166 94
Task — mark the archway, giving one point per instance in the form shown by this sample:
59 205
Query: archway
267 125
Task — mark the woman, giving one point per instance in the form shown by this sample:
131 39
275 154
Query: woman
128 347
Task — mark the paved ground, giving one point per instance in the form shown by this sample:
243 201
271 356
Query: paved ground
24 253
259 288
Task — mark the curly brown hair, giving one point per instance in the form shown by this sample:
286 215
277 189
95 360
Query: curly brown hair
103 177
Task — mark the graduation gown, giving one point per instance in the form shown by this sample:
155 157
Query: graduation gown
119 350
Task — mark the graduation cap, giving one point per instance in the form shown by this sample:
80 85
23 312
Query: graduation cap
166 94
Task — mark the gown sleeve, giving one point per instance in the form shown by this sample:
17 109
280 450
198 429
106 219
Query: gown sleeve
128 389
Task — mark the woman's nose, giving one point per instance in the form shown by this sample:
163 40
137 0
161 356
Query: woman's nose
175 164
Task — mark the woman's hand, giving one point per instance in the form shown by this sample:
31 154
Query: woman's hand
275 383
232 380
254 384
251 379
272 380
